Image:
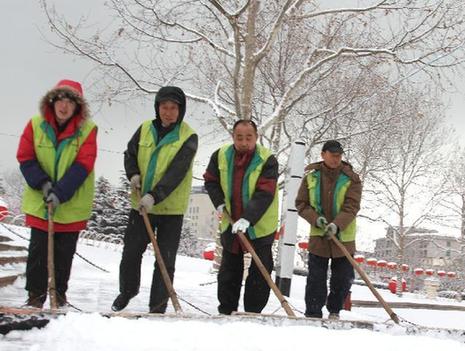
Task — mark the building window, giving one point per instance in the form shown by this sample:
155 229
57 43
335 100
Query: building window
448 253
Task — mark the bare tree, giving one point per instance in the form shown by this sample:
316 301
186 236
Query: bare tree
294 66
453 203
404 189
13 184
2 187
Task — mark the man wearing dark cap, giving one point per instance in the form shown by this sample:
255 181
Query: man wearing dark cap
158 163
329 199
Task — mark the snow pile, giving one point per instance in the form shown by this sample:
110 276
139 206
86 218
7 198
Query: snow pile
93 290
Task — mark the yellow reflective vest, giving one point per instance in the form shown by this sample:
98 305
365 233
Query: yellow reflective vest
342 184
269 221
55 161
154 158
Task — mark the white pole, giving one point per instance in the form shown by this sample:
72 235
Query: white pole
286 250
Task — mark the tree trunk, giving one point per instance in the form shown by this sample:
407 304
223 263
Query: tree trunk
249 62
401 248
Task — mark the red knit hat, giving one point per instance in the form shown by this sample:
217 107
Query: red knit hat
71 85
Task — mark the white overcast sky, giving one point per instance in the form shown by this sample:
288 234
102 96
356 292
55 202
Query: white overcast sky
30 66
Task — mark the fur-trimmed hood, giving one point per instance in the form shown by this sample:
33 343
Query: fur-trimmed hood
346 168
67 88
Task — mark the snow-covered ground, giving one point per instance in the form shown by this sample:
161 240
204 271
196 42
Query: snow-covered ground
92 290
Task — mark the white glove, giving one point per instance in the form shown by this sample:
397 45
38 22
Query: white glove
53 199
240 225
219 210
135 182
46 187
146 203
321 222
332 229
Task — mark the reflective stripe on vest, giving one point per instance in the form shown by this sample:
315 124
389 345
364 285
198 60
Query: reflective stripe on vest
268 223
154 158
55 161
314 187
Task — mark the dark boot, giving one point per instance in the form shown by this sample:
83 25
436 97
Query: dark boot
61 300
160 308
36 299
314 314
121 302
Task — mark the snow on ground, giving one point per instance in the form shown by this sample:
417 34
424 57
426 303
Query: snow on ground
92 290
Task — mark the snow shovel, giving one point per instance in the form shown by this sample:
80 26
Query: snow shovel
51 260
159 259
364 276
262 269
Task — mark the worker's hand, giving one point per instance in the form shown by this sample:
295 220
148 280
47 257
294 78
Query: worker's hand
53 199
46 187
240 225
146 203
219 210
321 222
135 182
331 229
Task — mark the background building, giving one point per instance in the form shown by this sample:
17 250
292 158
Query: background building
201 216
423 247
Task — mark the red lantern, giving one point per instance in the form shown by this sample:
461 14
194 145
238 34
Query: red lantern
3 210
372 262
382 264
392 265
451 274
418 271
279 233
209 252
404 267
359 258
392 285
441 274
429 272
303 245
209 255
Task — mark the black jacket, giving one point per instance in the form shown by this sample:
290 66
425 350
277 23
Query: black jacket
180 164
256 207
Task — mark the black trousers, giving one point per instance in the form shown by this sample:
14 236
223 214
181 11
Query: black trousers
136 239
342 276
230 276
36 267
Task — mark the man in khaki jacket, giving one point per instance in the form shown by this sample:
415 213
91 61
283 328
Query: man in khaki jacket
329 199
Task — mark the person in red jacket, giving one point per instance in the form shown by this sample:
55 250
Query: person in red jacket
56 153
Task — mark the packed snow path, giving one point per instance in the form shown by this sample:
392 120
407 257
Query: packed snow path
93 290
